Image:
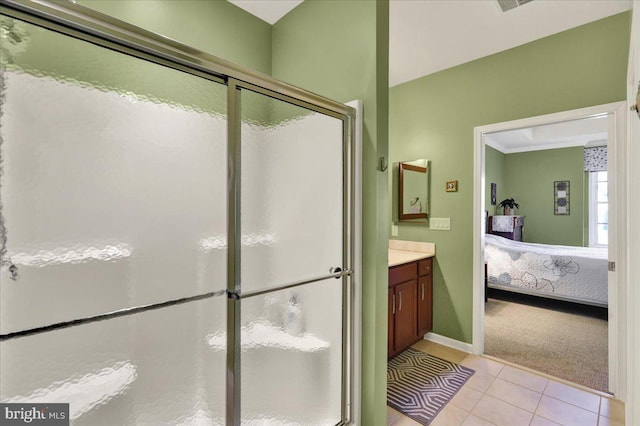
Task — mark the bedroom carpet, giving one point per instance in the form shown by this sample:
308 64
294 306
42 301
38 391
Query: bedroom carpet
561 342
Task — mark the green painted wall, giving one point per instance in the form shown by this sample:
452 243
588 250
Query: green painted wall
494 172
434 116
529 179
340 50
213 26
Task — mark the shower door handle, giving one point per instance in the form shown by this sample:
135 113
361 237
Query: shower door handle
335 270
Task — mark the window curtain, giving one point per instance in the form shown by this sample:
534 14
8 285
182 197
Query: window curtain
595 159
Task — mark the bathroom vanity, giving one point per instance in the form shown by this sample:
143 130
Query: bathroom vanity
410 293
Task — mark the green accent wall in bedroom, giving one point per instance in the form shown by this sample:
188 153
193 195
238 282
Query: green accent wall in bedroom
340 49
434 117
529 179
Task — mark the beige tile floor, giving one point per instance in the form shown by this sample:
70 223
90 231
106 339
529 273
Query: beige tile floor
499 394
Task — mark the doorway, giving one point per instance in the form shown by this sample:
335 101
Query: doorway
616 313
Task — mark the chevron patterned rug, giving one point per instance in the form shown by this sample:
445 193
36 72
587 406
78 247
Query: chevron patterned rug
419 385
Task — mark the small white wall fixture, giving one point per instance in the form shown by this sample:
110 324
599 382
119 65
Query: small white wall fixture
616 113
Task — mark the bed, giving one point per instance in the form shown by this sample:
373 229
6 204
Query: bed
576 274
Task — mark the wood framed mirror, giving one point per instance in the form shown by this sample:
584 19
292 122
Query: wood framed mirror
413 195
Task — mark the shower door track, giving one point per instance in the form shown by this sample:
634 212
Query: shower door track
102 30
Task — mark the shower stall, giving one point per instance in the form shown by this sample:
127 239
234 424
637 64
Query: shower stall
178 234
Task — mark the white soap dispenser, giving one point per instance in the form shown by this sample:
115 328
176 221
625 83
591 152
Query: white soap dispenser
293 321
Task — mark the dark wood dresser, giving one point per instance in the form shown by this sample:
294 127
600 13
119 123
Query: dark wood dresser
510 227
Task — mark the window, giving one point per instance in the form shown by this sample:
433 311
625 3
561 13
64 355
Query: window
598 209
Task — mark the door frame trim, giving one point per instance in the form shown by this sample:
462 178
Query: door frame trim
356 287
616 112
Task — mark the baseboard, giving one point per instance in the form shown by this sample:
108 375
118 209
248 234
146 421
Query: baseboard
447 341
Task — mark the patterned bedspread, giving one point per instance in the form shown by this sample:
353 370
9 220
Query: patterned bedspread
571 273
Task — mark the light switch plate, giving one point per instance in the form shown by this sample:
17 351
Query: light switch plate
394 230
440 223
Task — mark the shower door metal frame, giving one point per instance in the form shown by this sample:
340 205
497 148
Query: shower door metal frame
100 29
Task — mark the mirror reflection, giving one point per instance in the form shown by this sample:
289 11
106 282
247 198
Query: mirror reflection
413 195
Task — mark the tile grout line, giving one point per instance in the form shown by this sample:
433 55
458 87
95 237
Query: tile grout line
534 413
485 394
538 405
542 376
512 382
548 381
549 377
474 405
552 421
524 387
574 405
465 417
506 402
562 382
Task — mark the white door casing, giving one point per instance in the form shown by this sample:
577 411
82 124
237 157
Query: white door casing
633 227
617 228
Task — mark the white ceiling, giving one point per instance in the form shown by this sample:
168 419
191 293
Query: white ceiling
268 10
426 36
588 131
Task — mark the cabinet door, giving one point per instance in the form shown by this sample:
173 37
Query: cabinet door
391 319
406 315
425 305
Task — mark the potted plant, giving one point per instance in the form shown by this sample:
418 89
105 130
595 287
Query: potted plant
509 205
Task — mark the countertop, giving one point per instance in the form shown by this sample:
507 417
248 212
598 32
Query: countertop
409 251
398 257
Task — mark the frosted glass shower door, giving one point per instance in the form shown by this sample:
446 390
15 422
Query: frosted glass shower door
292 237
113 231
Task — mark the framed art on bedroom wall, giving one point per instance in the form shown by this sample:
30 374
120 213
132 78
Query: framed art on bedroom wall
561 197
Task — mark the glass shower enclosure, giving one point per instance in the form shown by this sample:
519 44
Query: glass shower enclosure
177 232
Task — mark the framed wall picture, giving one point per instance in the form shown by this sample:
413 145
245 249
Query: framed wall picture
451 186
493 194
561 197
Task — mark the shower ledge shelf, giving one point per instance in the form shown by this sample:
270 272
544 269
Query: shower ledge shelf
260 335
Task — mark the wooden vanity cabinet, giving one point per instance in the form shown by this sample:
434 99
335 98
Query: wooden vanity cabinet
425 297
390 328
410 304
406 314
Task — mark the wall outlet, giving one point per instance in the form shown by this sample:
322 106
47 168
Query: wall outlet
394 230
440 223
